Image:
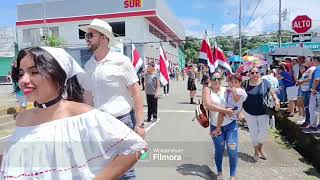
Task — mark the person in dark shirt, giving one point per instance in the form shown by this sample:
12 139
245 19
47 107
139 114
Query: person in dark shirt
255 115
291 89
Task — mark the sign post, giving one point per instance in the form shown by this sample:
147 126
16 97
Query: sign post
301 24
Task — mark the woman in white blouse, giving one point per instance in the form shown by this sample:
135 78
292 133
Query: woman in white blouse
62 138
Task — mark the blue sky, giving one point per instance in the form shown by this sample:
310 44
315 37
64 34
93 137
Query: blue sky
198 15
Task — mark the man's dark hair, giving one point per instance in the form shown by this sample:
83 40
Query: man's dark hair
317 58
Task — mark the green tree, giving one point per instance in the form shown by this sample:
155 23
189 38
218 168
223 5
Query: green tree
55 41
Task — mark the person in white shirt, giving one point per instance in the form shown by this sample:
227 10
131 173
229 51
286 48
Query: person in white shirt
274 85
61 138
111 82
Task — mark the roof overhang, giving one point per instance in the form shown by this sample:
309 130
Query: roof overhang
151 16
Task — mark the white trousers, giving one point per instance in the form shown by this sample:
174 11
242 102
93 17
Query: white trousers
314 108
258 128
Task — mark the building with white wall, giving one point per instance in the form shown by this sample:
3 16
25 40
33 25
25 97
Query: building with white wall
143 22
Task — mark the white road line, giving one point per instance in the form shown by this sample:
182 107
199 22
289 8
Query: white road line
5 137
173 111
152 125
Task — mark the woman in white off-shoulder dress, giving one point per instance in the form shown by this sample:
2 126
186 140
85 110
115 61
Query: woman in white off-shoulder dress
62 138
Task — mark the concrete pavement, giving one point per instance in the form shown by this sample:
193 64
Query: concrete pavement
181 149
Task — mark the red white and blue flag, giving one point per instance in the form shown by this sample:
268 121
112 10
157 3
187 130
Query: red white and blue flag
164 66
137 62
206 55
220 60
214 58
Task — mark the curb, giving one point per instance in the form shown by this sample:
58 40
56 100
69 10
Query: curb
308 145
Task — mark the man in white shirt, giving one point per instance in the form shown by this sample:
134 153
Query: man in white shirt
111 82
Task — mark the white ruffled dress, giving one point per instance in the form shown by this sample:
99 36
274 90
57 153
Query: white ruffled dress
73 148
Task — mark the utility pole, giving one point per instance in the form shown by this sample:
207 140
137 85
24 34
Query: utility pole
240 17
212 30
280 16
44 20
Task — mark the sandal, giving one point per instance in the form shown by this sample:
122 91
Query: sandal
256 158
263 156
220 177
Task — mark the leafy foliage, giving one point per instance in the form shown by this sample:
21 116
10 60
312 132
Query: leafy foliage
229 43
54 41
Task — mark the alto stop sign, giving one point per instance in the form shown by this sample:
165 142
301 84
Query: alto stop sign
301 24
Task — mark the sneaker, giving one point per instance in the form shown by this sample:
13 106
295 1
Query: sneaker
164 95
167 95
304 125
155 119
301 121
311 130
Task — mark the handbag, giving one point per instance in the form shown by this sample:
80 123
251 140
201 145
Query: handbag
268 103
202 115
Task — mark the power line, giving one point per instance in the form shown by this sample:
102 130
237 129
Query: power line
252 15
263 16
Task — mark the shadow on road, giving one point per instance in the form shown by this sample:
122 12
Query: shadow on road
243 156
312 172
183 103
197 170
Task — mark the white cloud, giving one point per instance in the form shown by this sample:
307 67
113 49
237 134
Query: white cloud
190 22
270 21
229 29
195 33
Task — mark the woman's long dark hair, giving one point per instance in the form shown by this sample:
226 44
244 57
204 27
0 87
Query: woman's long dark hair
48 66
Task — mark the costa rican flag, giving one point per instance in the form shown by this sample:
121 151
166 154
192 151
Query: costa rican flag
206 55
220 60
164 65
136 60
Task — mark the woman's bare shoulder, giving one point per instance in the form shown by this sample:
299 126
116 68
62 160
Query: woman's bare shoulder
23 117
76 108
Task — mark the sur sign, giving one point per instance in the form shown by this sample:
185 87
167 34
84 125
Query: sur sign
301 24
132 3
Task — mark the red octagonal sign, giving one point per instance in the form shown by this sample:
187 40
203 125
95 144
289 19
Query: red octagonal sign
301 24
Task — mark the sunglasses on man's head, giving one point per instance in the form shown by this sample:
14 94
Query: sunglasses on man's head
216 79
90 35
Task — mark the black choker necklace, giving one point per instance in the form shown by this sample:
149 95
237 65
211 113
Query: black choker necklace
48 104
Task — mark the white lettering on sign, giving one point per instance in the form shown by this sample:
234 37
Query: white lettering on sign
302 24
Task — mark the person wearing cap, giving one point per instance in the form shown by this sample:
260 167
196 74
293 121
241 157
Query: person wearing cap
110 81
55 140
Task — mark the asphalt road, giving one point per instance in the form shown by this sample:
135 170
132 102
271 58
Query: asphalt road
181 149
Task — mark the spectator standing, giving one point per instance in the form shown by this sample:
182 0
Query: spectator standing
305 89
314 106
291 88
152 91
